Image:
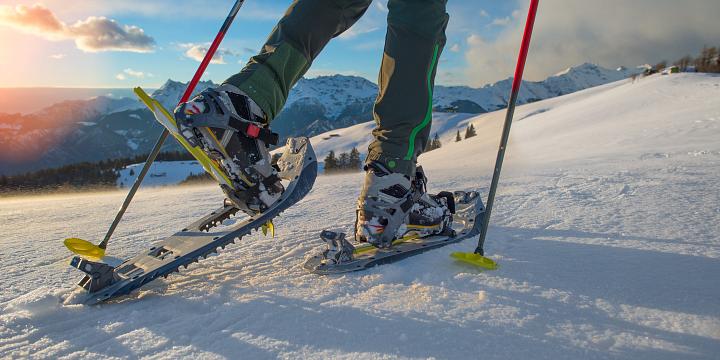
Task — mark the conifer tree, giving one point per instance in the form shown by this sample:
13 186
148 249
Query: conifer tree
343 161
355 162
436 140
331 162
470 131
457 136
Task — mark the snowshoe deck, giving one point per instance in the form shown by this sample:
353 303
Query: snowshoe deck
102 281
467 222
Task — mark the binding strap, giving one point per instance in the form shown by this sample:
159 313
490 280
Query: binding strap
253 131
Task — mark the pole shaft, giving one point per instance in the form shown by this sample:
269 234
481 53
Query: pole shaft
153 154
517 81
186 96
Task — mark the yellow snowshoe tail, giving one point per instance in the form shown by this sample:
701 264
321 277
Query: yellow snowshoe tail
84 248
475 259
167 120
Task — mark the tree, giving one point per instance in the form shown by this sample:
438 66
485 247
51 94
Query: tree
436 141
331 162
433 144
344 161
470 131
457 136
355 162
711 59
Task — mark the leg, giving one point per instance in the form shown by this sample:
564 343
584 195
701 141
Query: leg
403 109
298 38
403 113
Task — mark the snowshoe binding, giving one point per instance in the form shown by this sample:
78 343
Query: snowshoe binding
391 206
338 249
231 129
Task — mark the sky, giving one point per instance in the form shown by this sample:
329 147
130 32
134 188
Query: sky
101 43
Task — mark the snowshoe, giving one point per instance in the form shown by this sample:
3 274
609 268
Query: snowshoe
298 167
463 214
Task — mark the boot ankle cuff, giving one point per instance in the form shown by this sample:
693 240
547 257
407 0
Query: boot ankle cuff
392 163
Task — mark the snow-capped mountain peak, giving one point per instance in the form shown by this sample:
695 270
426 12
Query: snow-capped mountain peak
171 91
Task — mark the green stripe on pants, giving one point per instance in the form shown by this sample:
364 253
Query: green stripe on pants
428 114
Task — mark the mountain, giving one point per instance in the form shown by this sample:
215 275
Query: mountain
495 96
324 103
105 127
332 102
170 93
82 130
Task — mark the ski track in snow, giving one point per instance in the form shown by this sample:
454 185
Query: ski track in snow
606 228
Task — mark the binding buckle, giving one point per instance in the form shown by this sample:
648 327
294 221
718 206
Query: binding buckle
253 131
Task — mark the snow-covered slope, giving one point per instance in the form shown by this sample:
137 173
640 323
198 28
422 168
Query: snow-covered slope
606 228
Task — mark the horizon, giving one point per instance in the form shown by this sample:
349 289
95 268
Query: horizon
158 85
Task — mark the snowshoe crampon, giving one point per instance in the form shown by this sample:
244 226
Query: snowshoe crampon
298 170
466 223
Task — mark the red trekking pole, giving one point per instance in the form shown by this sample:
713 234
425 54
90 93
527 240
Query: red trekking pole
477 257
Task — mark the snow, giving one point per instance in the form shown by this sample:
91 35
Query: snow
132 144
606 229
161 173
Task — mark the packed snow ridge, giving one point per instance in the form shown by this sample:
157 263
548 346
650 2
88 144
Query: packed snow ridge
606 228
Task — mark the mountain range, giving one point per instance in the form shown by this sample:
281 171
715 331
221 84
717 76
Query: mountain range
108 127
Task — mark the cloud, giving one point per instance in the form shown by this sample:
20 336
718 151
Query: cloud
93 34
197 52
501 21
610 33
455 47
381 5
484 13
374 19
57 56
357 30
132 73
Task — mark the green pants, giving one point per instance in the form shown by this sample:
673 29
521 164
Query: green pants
413 44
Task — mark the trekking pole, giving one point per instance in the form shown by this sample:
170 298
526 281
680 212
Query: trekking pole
83 247
479 252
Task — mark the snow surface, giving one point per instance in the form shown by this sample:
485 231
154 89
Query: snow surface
161 173
606 228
